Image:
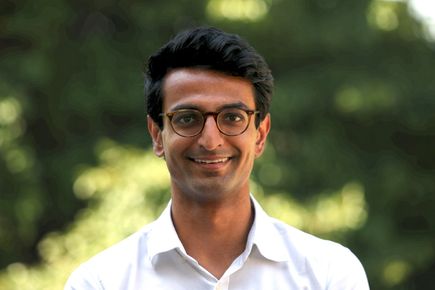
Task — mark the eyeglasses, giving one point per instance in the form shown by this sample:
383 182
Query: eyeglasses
190 122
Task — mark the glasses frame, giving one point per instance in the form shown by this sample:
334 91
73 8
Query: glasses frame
205 115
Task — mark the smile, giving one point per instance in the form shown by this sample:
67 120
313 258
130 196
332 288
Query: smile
211 161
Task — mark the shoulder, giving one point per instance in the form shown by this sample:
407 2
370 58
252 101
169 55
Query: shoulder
112 263
305 244
125 251
331 263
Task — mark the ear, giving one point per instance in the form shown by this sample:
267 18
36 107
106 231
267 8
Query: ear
156 135
262 132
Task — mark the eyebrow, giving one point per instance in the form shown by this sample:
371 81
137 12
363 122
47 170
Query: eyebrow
237 105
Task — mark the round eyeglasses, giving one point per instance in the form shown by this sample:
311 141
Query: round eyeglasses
190 122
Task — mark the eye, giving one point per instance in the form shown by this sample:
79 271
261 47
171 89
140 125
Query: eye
233 117
186 118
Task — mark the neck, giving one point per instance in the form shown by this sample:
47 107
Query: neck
213 233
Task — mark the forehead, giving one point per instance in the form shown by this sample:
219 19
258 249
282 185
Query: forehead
205 89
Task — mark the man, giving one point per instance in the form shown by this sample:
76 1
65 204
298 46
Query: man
208 95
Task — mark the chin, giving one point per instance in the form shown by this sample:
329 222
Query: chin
209 192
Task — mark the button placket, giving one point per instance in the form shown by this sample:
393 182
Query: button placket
223 283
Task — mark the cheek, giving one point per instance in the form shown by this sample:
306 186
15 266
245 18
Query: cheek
174 145
247 149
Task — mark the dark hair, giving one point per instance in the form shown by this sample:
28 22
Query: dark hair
213 49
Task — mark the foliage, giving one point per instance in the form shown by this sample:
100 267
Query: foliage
125 192
350 156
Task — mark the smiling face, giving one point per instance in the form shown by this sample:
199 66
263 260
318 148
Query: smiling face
209 166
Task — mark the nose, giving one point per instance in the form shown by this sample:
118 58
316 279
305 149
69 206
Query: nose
210 138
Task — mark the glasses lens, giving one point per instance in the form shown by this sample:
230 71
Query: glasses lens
233 121
187 122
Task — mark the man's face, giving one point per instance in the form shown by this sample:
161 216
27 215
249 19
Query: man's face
211 165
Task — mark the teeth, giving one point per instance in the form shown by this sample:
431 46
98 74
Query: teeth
211 161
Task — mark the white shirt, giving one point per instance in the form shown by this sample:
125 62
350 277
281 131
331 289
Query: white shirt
277 256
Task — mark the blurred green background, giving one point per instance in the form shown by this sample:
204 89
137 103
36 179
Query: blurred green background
351 155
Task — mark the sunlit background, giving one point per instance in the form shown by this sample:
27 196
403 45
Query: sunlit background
351 155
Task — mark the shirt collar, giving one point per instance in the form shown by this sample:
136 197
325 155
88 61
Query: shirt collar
263 234
163 236
266 237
